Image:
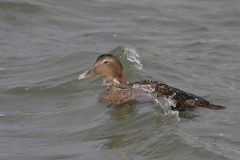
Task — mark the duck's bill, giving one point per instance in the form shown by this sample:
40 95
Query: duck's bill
86 74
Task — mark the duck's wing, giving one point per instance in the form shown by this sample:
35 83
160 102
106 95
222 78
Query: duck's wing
184 100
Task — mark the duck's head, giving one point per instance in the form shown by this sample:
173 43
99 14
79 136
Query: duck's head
108 66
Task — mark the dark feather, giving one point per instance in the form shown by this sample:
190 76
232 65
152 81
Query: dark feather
184 100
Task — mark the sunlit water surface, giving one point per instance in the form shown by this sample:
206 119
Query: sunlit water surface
46 113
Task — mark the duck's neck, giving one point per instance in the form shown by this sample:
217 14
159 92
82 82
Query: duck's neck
120 78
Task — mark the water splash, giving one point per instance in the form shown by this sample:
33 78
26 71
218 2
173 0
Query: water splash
133 56
115 82
166 104
147 88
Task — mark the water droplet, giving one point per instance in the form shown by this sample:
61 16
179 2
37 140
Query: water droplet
116 82
133 56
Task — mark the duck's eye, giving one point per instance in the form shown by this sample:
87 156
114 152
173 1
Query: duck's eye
105 61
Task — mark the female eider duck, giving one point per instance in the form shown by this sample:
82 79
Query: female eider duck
118 91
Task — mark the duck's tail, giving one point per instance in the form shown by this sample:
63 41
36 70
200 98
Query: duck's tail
213 106
186 100
203 103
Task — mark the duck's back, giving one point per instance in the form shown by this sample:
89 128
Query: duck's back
184 100
114 95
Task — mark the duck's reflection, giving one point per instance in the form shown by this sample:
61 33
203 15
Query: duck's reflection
117 141
190 114
120 132
118 114
122 112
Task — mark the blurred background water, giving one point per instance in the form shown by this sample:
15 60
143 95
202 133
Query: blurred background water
46 113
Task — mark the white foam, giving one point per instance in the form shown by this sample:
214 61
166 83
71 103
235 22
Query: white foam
166 104
133 56
146 88
104 83
173 113
115 82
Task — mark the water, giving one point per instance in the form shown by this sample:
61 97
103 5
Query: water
46 113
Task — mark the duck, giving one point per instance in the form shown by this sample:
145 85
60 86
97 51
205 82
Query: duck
117 91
